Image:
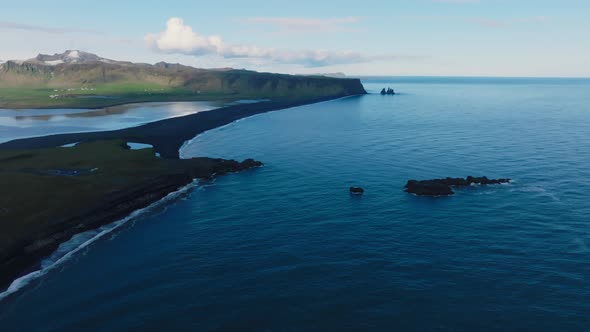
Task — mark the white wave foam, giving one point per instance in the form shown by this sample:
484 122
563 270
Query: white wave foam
538 190
70 145
80 241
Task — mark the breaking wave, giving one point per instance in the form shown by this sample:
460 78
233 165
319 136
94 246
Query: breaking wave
81 241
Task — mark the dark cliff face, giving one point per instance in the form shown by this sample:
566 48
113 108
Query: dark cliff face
289 85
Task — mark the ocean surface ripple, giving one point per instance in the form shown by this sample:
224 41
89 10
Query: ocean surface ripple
286 248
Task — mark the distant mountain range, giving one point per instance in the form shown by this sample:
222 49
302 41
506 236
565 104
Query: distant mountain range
74 78
68 57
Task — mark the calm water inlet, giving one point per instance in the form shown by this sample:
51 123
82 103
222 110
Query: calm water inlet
40 122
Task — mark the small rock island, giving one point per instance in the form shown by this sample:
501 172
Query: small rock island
443 187
388 91
357 190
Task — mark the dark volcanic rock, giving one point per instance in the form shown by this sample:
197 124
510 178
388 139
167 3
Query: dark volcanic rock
357 190
204 168
485 180
250 163
442 187
389 92
428 188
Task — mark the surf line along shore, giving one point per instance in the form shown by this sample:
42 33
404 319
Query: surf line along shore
40 214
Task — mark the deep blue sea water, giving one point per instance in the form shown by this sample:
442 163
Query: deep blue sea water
286 248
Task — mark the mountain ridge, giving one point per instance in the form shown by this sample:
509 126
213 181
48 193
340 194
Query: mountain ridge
68 57
80 79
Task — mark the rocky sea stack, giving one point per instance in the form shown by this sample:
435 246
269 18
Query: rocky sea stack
388 91
357 190
443 187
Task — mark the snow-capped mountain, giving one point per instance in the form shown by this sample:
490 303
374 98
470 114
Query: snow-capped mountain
68 57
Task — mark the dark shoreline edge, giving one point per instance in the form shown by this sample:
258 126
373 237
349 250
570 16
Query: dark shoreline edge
25 257
167 136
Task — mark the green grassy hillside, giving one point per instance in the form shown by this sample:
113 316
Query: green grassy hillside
94 84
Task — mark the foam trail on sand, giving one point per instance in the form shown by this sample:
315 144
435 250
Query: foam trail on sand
80 241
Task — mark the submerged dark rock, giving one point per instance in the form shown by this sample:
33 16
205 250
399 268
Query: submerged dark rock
443 187
428 188
357 190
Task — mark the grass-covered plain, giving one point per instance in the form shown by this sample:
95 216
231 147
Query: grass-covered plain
31 198
96 84
48 195
99 95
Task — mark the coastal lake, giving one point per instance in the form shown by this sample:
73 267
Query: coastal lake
40 122
287 248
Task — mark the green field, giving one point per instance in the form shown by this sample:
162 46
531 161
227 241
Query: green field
32 197
100 95
97 85
43 188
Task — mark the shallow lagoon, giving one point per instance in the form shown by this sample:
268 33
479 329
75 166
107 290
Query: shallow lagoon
40 122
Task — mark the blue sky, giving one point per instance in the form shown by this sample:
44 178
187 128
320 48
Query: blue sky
395 37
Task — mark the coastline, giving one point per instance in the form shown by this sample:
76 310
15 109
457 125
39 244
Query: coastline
167 137
185 143
140 114
34 274
23 257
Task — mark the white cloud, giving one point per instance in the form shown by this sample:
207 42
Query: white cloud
179 38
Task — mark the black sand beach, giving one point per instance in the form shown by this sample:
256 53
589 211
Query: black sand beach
167 136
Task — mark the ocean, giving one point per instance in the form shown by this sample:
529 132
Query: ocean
287 248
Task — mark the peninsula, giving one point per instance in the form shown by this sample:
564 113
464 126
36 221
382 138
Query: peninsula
53 190
49 195
77 79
